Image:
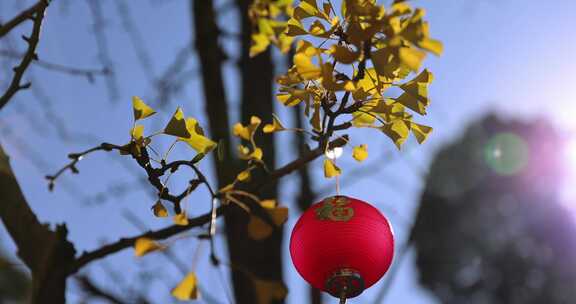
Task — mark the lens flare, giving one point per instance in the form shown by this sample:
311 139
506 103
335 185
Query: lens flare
506 154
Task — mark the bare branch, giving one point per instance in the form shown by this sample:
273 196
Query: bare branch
124 243
304 159
38 16
23 16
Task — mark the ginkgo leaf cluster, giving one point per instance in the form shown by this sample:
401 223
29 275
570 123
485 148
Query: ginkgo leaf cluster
359 63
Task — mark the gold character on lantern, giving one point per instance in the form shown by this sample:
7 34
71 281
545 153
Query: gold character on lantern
335 209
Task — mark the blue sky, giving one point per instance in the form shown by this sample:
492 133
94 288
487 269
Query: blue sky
510 56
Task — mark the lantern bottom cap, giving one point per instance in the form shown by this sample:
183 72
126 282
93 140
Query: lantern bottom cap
345 283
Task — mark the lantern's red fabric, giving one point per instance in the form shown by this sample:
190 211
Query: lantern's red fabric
364 243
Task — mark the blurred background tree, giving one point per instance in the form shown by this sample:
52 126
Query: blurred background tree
491 227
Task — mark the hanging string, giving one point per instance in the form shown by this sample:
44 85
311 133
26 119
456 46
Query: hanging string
337 180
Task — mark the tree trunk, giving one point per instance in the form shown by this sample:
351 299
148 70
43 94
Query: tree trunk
47 253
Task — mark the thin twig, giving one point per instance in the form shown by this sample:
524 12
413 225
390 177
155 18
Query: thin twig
23 16
128 242
15 85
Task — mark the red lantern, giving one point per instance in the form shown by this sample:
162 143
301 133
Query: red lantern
342 246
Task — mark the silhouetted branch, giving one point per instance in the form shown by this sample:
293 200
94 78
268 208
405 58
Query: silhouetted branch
37 15
124 243
29 13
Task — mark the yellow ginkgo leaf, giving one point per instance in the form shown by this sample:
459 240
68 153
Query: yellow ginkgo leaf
295 28
331 84
269 204
275 126
306 9
144 245
244 176
315 119
398 131
259 44
187 289
177 125
245 153
411 57
415 96
247 132
137 132
197 140
293 96
279 215
343 54
181 219
258 229
269 291
305 68
432 45
159 209
141 109
421 132
360 153
330 169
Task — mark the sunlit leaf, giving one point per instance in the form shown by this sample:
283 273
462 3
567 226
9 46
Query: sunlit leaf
143 246
306 69
275 126
159 209
260 43
247 132
177 125
246 154
197 140
411 57
295 28
397 131
269 204
137 132
415 96
187 289
181 219
330 169
293 96
244 176
331 84
421 132
141 109
360 153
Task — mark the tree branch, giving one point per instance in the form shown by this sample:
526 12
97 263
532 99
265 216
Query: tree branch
44 251
23 16
170 231
303 160
124 243
37 14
